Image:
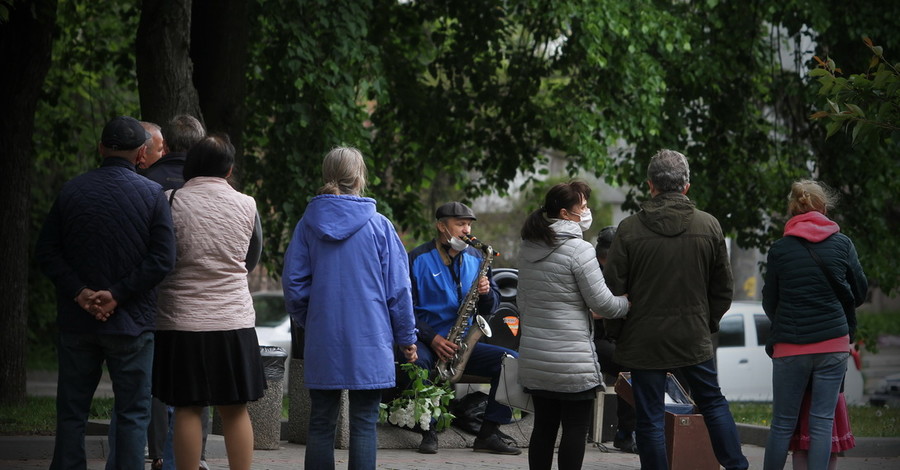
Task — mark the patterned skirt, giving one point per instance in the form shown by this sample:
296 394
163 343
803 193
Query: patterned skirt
841 435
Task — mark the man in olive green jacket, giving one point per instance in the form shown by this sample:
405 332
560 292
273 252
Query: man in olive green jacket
671 260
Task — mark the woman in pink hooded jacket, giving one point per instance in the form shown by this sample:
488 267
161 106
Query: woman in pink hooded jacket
813 283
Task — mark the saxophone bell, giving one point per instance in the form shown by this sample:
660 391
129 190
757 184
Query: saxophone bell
483 326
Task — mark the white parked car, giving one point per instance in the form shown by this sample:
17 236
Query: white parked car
273 324
745 370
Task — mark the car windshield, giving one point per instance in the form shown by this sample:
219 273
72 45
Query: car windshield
269 310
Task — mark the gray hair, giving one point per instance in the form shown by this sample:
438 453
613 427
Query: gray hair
669 171
183 132
344 172
150 127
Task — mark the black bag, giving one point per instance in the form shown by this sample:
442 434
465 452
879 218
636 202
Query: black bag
469 412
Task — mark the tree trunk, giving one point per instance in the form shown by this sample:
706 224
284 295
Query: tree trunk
26 42
219 49
164 67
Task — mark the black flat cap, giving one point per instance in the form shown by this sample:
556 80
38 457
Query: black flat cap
454 209
124 133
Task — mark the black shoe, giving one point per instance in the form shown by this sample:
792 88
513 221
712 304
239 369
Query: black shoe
626 444
495 445
505 437
429 444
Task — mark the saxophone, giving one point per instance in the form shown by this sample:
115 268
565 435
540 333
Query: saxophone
462 334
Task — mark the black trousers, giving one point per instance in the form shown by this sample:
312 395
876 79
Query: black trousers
549 413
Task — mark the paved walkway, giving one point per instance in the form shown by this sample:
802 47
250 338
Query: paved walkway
34 452
22 452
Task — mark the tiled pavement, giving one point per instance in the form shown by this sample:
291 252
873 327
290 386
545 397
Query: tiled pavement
22 452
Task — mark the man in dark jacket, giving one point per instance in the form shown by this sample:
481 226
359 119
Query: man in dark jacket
179 135
107 242
672 261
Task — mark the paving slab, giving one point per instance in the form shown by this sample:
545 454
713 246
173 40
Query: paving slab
26 453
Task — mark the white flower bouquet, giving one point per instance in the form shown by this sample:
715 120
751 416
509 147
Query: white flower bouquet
421 403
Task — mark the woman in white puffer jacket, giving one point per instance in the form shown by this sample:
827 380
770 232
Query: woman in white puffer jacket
560 284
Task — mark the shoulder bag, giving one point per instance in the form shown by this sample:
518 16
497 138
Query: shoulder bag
509 391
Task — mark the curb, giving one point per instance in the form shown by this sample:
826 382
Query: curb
866 447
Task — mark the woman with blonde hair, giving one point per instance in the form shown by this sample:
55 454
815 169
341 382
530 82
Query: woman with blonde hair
813 282
346 282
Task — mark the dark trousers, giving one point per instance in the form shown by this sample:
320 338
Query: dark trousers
649 388
549 413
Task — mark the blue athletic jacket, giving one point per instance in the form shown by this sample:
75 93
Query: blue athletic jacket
440 284
346 282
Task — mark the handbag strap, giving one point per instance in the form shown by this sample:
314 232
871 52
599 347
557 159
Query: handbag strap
172 196
835 285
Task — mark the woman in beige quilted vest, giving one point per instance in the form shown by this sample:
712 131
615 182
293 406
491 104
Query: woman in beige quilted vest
207 353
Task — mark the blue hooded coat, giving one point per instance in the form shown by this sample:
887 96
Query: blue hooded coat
346 281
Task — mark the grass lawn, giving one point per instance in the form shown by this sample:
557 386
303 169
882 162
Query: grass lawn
866 421
37 417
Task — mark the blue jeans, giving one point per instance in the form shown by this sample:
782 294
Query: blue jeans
323 415
81 357
790 377
484 361
649 387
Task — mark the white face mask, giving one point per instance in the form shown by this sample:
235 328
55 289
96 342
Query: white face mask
457 244
586 220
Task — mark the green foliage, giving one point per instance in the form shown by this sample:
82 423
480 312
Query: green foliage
452 99
446 97
91 79
872 325
866 421
865 171
307 94
867 104
864 110
38 416
420 403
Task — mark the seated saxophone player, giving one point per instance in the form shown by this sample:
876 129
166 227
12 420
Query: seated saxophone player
443 272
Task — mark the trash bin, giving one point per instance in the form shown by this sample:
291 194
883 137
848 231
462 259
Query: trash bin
265 413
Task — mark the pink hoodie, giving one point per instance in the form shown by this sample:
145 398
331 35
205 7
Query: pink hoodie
813 226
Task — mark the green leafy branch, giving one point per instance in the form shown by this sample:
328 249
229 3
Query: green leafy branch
865 103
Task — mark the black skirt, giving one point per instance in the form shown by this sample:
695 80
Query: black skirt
207 368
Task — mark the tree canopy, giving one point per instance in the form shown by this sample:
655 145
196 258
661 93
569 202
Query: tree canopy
466 95
448 97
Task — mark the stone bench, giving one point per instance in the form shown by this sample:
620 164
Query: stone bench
389 437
